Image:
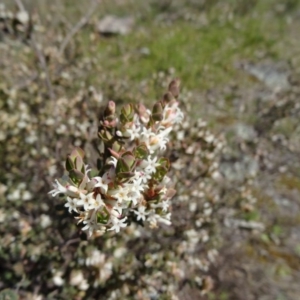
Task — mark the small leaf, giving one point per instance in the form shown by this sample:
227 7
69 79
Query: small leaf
69 163
129 159
160 173
170 193
77 152
102 217
83 182
116 147
124 176
76 176
105 135
78 163
164 162
141 151
127 113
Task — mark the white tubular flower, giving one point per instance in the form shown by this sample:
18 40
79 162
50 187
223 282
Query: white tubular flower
143 176
91 224
117 223
134 131
98 202
113 161
134 191
146 134
151 165
87 201
141 213
164 205
99 183
72 204
152 219
157 141
87 170
58 189
68 190
136 183
166 219
109 176
120 194
134 196
162 138
172 115
118 208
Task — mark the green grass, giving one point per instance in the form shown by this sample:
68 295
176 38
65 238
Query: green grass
201 57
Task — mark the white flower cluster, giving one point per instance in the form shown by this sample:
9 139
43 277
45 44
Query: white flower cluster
133 184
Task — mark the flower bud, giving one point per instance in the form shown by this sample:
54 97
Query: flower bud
110 109
168 97
157 112
143 114
174 87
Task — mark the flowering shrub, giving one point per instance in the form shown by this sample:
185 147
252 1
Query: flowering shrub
132 182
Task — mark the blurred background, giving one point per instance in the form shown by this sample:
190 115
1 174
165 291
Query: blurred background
235 158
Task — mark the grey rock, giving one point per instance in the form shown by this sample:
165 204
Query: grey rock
245 132
274 75
112 25
237 223
239 170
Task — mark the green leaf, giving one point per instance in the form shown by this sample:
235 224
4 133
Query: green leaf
141 151
122 166
8 294
78 163
127 113
69 163
164 162
128 159
76 176
103 217
77 152
124 176
116 146
105 135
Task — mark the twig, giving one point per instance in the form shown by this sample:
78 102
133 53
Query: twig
41 58
77 27
20 5
44 67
